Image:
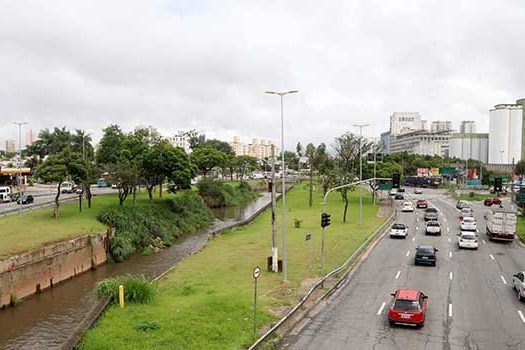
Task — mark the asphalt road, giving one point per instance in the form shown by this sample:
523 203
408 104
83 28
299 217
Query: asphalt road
471 302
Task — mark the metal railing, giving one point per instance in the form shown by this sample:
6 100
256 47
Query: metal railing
377 232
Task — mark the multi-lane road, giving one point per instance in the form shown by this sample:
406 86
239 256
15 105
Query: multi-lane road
471 302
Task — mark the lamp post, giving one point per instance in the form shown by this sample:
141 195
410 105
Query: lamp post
361 126
283 190
19 182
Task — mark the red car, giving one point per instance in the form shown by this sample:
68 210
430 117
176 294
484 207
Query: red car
496 201
490 201
408 308
422 203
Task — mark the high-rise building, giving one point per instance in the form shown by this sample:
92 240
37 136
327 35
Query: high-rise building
467 127
421 142
259 149
10 146
506 133
29 137
403 122
182 140
440 126
469 146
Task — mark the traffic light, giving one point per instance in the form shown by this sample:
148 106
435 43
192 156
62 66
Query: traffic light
498 184
325 219
396 180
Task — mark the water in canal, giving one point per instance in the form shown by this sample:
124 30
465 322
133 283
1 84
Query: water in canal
45 321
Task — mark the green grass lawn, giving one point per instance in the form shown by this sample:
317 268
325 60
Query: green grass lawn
467 197
206 301
520 227
37 227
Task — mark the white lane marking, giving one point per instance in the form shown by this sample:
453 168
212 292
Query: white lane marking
413 239
492 256
381 308
503 279
417 219
448 229
398 274
445 219
450 276
408 253
484 241
449 239
477 230
417 228
449 310
521 316
450 254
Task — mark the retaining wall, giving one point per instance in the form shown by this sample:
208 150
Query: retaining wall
36 270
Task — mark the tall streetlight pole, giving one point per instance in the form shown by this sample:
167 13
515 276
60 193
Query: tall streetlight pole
361 126
283 190
19 182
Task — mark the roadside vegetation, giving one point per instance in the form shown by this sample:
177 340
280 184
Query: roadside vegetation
217 194
471 197
206 301
137 289
520 227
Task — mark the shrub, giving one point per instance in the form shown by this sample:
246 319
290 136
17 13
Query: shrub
136 289
218 194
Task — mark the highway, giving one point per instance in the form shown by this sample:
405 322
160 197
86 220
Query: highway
471 302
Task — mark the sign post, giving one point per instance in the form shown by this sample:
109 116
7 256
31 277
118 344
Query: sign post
256 274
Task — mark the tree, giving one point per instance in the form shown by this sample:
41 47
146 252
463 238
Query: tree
49 143
520 168
207 158
110 146
245 164
194 139
81 143
59 168
291 160
316 157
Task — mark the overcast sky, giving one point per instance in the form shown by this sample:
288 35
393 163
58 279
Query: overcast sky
202 64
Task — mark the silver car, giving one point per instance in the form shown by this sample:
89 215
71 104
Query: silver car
518 283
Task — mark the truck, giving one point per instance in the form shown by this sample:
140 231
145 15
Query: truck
501 224
67 187
5 194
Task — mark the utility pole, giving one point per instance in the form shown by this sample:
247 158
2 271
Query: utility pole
361 126
375 181
19 182
274 216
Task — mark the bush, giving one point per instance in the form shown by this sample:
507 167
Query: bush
137 290
218 194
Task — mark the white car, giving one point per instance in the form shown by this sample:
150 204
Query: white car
433 228
393 192
399 230
418 191
468 224
407 206
468 239
518 283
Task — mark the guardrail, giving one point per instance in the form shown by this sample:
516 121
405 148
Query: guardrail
351 259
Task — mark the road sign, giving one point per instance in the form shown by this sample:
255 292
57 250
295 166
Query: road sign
473 182
448 170
385 186
256 272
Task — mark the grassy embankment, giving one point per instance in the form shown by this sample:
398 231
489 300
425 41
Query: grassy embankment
206 301
467 197
520 227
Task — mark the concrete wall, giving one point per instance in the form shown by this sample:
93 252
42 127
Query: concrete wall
31 272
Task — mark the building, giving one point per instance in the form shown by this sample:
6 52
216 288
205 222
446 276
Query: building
506 133
384 142
29 137
421 142
469 146
182 140
259 149
440 126
467 127
403 122
10 146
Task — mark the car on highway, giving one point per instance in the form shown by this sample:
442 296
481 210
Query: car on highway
492 201
399 230
409 307
418 191
399 197
433 228
426 254
422 203
393 192
468 224
407 207
400 190
466 212
467 239
461 204
518 283
431 213
25 199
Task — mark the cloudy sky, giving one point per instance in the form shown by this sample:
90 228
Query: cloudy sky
202 64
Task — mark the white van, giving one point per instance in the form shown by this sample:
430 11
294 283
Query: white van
5 194
67 187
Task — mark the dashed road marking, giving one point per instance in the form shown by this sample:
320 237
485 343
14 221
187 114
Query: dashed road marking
417 228
449 239
492 257
503 279
484 241
381 309
448 229
449 310
521 316
450 254
413 239
477 230
417 219
450 275
408 253
398 274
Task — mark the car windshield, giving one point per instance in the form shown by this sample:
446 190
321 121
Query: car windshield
406 305
469 220
398 226
425 251
468 237
431 210
465 210
433 223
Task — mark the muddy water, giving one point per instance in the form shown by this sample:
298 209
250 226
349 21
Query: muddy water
46 320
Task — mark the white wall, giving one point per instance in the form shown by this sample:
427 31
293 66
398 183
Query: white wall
505 134
469 148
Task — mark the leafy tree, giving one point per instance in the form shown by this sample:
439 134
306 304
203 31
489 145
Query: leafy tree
50 142
207 158
317 156
245 164
194 139
291 160
81 143
110 146
59 168
520 168
221 146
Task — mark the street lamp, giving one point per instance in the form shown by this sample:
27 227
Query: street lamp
19 182
361 126
283 190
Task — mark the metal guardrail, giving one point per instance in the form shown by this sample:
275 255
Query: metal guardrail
378 231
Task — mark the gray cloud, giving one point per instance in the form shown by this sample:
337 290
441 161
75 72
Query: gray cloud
201 64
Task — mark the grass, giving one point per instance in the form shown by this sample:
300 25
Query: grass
206 301
520 227
467 197
37 227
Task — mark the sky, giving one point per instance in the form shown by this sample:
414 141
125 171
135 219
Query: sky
202 64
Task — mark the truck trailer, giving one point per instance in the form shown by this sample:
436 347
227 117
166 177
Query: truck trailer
501 224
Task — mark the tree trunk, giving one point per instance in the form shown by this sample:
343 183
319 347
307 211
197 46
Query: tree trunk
160 189
57 203
149 187
88 195
134 194
80 203
311 186
345 199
